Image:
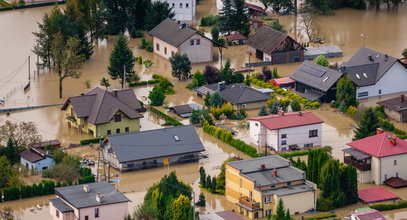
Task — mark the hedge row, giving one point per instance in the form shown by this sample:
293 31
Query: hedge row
143 83
91 140
321 216
170 121
290 95
227 137
387 207
302 153
46 187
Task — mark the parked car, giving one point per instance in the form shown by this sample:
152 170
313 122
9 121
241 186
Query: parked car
90 163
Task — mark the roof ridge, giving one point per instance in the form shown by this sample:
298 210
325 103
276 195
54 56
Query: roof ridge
100 104
381 144
115 135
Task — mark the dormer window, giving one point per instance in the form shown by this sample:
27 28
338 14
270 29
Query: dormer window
118 118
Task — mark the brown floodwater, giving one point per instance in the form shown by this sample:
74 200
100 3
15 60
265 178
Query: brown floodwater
383 30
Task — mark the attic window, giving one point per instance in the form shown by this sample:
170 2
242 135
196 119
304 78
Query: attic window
176 138
325 79
357 76
364 75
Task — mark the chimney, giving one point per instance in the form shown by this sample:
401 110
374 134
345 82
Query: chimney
274 172
401 98
115 92
183 25
263 166
99 197
221 86
82 93
379 130
86 188
392 140
281 112
299 113
370 57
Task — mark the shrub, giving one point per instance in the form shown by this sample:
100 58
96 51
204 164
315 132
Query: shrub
321 216
402 136
143 83
170 121
209 20
324 204
399 132
146 45
387 125
387 207
351 110
136 33
91 140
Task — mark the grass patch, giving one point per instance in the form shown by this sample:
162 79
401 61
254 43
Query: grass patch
325 216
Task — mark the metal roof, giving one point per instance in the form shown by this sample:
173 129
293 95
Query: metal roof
395 104
265 177
312 94
288 190
61 205
356 154
253 165
155 143
172 32
79 198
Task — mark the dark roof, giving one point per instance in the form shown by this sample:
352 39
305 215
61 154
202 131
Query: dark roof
34 154
395 182
235 36
171 32
79 198
316 76
395 104
374 72
46 143
185 110
61 205
312 94
99 106
229 215
359 155
145 145
255 7
235 93
266 39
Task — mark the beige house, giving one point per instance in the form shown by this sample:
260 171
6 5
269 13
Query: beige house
170 37
381 158
256 185
395 108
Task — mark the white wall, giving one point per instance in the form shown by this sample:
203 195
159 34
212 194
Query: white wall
201 53
183 13
48 162
162 45
394 81
106 212
387 167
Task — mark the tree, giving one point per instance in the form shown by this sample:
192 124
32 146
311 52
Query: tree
58 155
197 80
221 178
208 182
404 53
156 96
274 108
288 216
263 111
105 82
310 25
367 125
330 179
226 18
158 12
22 134
318 6
346 92
215 100
181 66
316 160
202 176
213 186
280 213
145 211
10 151
200 116
267 74
121 60
201 201
215 33
182 208
295 106
275 24
322 61
211 74
73 161
241 18
226 73
137 15
207 99
67 60
64 173
349 184
284 103
117 16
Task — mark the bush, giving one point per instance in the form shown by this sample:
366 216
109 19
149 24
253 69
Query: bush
169 121
136 33
324 204
209 20
399 132
402 136
143 83
321 216
146 45
351 110
387 125
387 207
91 141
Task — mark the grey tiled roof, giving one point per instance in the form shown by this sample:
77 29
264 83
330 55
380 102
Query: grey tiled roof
78 198
357 75
316 76
61 205
253 165
99 106
155 143
235 93
170 32
288 190
266 39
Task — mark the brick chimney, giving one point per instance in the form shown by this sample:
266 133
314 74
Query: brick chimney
274 172
115 92
299 113
263 166
280 112
379 130
392 140
401 98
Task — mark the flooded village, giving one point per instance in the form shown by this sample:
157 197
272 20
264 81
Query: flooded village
253 185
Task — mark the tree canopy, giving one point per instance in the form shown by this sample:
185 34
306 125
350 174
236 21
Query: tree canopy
22 134
367 125
181 66
346 92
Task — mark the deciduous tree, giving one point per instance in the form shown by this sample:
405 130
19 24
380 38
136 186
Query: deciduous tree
181 66
156 96
211 74
346 92
322 61
215 100
22 134
105 82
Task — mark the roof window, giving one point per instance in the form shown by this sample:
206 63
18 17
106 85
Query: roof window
325 79
176 138
357 76
364 75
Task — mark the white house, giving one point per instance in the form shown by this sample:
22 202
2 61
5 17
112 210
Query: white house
366 214
375 73
93 201
36 159
170 37
286 130
381 158
184 9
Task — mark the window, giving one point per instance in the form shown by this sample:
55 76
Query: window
186 5
173 5
97 213
267 199
157 47
380 91
109 132
385 176
57 213
180 5
126 129
191 42
44 168
251 195
244 105
288 183
395 162
284 136
397 174
309 145
117 118
268 212
313 133
283 142
198 42
257 125
172 53
86 217
118 131
363 94
165 50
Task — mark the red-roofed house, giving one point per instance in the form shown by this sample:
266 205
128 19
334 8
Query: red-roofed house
283 82
236 38
286 130
378 157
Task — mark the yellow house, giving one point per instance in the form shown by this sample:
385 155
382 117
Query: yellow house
256 185
100 112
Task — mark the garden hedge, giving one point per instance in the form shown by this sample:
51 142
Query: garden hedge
387 207
325 216
170 121
143 83
91 140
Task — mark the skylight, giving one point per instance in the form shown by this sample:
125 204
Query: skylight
357 76
365 75
176 138
325 79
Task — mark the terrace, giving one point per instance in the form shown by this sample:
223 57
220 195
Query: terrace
358 159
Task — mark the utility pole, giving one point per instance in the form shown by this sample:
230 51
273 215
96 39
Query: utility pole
38 64
363 39
97 167
108 171
193 204
124 76
29 66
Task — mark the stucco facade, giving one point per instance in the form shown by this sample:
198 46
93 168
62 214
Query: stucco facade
44 164
386 167
250 105
163 48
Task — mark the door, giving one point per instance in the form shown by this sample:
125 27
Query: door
259 54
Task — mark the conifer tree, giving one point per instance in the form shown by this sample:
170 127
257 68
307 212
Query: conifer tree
213 187
226 19
367 125
241 18
121 59
280 211
208 182
263 111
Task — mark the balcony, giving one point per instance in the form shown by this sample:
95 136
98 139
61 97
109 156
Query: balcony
249 204
71 119
363 166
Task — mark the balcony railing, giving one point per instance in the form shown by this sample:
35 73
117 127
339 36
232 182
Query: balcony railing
359 165
251 204
70 118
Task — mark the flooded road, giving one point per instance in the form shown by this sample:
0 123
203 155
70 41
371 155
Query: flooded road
382 29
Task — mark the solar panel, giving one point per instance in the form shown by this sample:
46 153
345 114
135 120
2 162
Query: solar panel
315 71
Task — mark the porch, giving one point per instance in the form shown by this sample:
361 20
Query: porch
358 159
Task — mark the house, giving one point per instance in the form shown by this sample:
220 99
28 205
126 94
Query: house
100 112
153 148
331 51
316 82
275 47
185 110
239 95
98 200
184 9
375 74
55 144
36 159
236 38
366 214
255 10
395 108
255 24
283 83
170 37
286 131
221 215
256 185
378 158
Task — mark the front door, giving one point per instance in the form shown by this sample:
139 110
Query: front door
259 54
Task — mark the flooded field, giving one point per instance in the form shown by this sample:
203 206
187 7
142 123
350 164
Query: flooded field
16 42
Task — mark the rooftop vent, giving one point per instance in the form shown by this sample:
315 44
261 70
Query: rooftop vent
263 166
392 139
176 138
82 93
221 86
378 55
274 172
86 188
379 130
357 76
369 57
325 79
364 75
99 197
115 92
183 26
299 113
